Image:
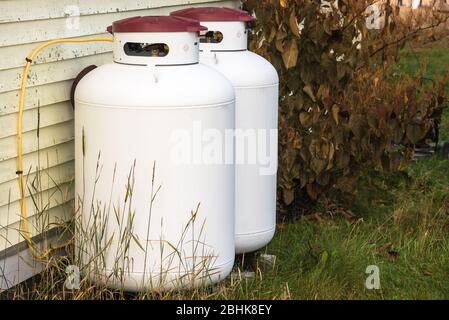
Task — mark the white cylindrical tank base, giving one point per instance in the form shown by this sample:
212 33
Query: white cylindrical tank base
141 282
253 241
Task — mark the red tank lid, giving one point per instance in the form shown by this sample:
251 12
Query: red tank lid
214 14
156 24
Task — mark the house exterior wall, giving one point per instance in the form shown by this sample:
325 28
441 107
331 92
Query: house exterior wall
408 6
48 149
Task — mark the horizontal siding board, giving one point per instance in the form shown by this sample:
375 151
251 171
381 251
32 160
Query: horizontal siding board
18 11
49 157
11 235
43 117
51 72
42 95
42 30
53 197
16 54
50 178
50 136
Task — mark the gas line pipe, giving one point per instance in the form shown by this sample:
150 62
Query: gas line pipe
23 212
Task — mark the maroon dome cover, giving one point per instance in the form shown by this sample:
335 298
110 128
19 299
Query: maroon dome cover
214 14
156 24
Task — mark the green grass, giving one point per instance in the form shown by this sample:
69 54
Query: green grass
437 65
402 227
437 60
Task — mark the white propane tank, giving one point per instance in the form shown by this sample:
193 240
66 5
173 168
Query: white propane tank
151 217
225 47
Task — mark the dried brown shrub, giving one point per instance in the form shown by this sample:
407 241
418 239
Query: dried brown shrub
340 113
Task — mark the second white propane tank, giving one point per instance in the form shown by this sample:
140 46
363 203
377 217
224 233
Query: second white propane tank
225 47
154 214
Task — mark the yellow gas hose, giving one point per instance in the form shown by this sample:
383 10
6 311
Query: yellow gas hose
25 228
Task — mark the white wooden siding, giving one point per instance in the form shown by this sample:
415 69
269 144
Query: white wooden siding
24 24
